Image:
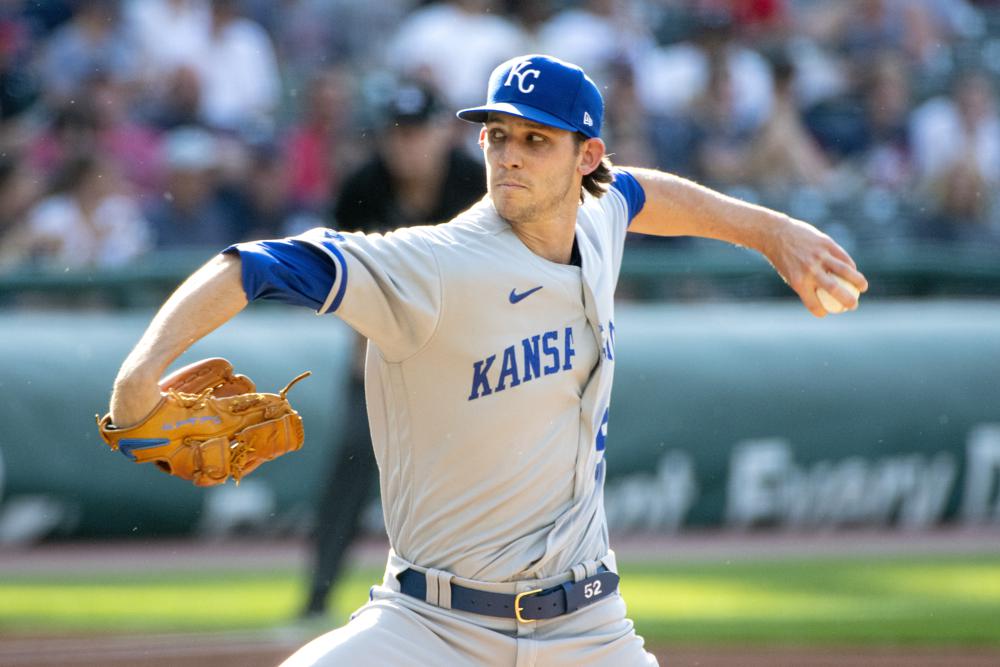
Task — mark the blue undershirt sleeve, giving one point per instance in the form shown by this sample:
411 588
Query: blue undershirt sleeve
288 270
631 190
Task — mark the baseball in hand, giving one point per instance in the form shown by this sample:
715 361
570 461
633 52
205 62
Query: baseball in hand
830 302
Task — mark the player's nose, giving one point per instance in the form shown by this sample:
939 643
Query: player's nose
509 157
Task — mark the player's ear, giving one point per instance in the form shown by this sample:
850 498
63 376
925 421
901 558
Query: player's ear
591 154
482 137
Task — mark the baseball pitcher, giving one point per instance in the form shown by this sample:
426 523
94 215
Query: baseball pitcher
488 377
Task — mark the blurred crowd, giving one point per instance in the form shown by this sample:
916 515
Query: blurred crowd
130 126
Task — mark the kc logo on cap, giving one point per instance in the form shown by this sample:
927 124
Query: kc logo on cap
545 90
520 72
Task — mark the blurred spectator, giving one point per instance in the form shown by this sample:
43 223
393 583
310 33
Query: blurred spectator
767 22
868 26
670 79
20 189
956 141
454 45
261 203
44 17
704 103
240 84
415 177
305 34
774 157
921 30
531 15
71 131
315 34
783 155
626 125
100 124
964 126
179 104
595 35
720 134
962 209
190 214
132 146
887 159
168 34
86 221
171 38
318 145
18 85
92 42
872 116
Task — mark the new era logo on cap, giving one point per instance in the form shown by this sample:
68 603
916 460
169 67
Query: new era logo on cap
545 90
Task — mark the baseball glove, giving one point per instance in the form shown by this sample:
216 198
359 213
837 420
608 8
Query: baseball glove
210 424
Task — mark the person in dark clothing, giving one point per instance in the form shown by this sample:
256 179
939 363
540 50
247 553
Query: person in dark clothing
416 176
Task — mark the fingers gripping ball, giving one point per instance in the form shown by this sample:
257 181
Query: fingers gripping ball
210 425
830 302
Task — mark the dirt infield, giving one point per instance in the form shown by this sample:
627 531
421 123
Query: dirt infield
223 650
175 554
694 545
255 650
268 648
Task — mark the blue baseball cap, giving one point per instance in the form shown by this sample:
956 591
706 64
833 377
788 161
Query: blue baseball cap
545 90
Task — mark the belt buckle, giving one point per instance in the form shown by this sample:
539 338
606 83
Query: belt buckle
518 609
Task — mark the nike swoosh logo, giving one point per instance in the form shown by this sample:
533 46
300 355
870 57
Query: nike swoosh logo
515 297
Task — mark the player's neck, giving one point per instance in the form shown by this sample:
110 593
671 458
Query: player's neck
550 240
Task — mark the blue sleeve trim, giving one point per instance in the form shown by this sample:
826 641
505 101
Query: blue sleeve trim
336 294
292 271
631 190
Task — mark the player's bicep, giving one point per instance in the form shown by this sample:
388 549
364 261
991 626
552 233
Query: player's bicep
676 206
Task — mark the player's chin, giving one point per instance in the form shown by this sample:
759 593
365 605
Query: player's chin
510 211
515 194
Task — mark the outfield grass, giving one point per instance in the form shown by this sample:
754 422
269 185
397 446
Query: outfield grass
909 601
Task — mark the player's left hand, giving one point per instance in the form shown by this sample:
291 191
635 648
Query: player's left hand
210 424
807 259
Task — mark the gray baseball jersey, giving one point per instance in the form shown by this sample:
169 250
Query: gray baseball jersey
488 378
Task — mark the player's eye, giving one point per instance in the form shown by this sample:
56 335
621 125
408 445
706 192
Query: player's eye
496 135
536 138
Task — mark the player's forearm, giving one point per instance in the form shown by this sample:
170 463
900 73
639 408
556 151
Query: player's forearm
206 300
803 256
676 206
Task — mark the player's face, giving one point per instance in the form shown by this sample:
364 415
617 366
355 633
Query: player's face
532 170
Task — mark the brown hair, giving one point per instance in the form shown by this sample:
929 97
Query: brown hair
597 181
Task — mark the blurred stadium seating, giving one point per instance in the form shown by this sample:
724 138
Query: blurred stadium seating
876 120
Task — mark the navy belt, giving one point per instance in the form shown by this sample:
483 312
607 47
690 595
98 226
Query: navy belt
525 607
